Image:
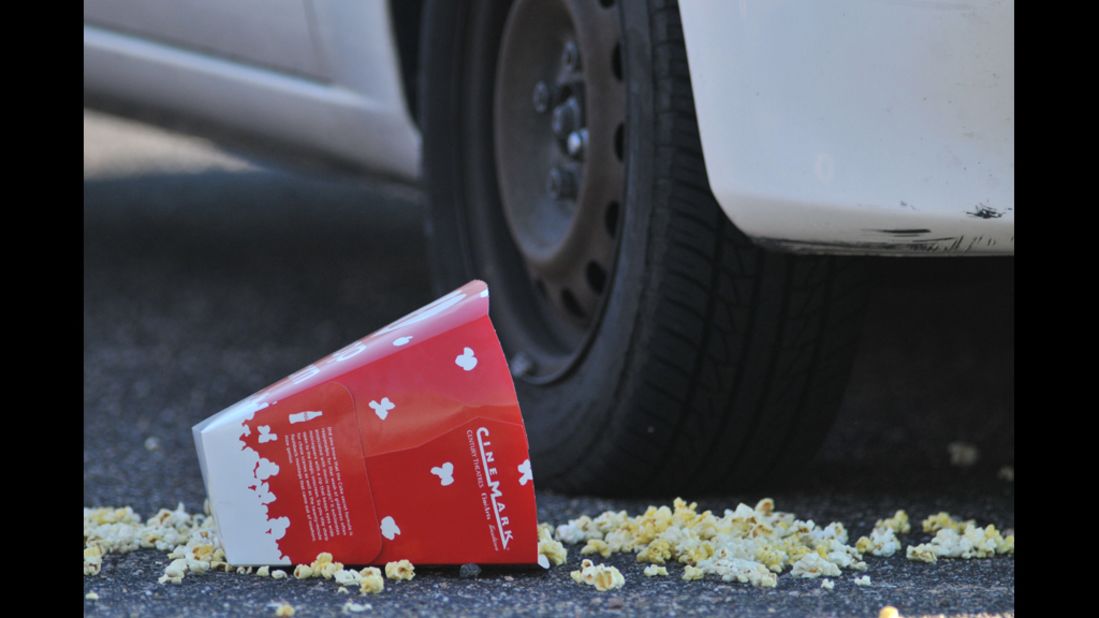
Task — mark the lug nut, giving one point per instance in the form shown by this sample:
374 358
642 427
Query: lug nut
541 97
566 118
577 143
570 56
561 183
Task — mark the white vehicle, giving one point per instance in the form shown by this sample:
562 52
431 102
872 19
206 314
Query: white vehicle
663 198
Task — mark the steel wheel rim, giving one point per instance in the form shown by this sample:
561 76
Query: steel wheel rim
558 125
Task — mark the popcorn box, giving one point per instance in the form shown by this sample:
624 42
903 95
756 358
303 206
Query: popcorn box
407 444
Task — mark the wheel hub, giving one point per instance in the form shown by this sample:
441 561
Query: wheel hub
558 120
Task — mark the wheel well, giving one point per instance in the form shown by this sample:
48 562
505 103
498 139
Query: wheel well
407 16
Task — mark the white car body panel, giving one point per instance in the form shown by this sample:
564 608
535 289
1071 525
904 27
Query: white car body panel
859 126
355 111
851 126
271 33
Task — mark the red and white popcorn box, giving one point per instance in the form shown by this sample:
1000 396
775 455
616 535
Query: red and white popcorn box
407 444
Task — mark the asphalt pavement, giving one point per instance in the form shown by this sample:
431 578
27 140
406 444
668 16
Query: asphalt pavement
208 276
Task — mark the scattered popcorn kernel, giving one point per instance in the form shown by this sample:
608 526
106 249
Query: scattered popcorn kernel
691 573
881 542
284 609
343 590
577 530
889 612
921 553
278 574
204 551
93 559
303 571
151 443
963 454
653 570
263 571
765 506
813 565
176 567
583 574
771 558
553 550
697 553
864 545
243 570
596 546
862 581
402 569
92 596
355 607
938 521
371 582
347 577
608 578
656 552
602 577
827 584
174 572
898 523
324 566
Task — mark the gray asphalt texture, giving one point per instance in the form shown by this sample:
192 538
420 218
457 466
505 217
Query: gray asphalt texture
208 277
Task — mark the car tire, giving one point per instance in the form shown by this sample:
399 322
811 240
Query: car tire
707 363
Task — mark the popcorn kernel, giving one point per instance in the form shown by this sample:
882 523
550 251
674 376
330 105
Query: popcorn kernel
372 582
898 523
656 552
553 550
402 569
608 578
602 577
692 573
596 546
